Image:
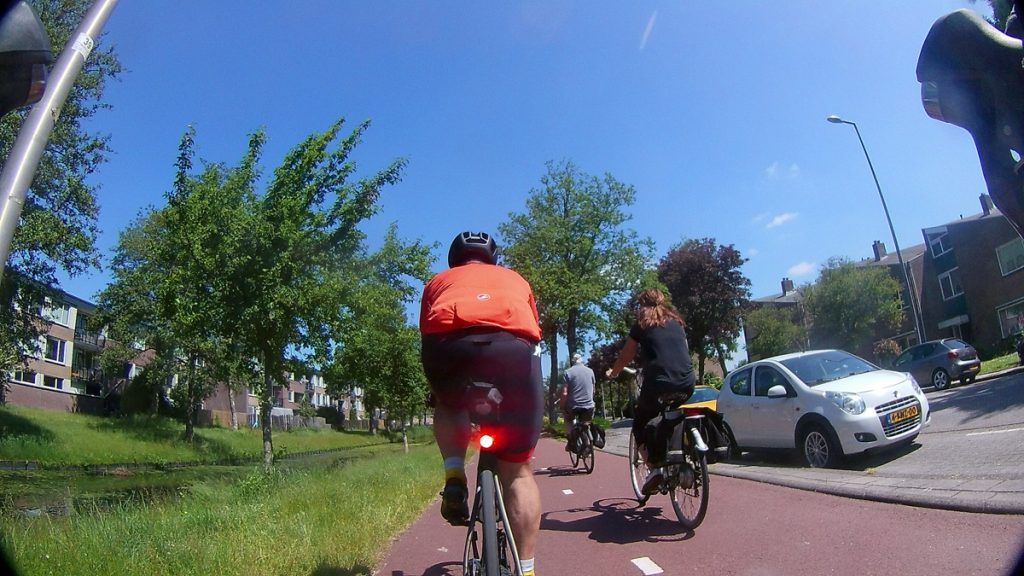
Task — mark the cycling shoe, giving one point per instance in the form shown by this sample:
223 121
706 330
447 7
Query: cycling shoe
455 503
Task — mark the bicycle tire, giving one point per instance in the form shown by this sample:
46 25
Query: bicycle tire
637 470
691 504
587 453
488 518
574 456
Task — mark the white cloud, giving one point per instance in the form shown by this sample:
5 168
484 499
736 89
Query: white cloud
761 216
801 269
781 219
753 252
647 30
774 170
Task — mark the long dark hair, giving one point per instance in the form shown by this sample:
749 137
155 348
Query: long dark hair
653 310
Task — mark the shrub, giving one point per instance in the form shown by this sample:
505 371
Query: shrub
886 351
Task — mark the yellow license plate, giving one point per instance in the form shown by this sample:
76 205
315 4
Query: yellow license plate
904 414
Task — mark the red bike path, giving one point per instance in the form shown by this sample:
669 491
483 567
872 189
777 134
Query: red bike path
579 509
592 525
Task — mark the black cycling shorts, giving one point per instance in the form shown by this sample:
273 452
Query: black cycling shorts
451 360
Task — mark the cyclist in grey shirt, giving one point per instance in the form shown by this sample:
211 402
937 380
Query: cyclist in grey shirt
577 393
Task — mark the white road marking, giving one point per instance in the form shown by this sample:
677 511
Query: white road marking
647 566
443 549
994 432
567 491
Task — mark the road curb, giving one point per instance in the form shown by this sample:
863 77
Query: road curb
883 489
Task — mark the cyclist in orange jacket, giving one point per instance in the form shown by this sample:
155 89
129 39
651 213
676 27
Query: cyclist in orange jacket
479 319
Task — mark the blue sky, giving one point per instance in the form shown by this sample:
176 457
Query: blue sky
714 112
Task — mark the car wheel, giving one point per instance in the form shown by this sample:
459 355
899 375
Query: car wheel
819 446
968 379
940 379
734 452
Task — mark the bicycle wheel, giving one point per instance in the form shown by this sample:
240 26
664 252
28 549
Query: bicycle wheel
489 526
637 470
690 496
574 456
587 453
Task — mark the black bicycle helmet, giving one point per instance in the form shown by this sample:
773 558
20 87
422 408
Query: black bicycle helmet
469 246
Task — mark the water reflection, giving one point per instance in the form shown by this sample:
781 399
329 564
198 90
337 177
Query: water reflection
47 505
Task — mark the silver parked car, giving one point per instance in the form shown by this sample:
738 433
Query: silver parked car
940 362
826 404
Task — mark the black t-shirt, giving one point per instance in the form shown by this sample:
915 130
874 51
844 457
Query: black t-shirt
664 355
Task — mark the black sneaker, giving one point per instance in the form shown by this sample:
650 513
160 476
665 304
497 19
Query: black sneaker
455 502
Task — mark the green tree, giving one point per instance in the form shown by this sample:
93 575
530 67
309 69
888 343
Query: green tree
710 291
378 349
290 290
165 288
58 227
849 305
572 245
1000 12
772 331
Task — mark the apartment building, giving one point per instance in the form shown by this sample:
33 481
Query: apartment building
973 280
967 280
65 374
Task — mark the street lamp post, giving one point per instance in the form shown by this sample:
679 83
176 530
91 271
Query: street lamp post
918 328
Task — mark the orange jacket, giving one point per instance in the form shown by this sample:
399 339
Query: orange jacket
479 294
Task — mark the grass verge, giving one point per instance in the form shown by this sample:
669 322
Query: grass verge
336 519
62 438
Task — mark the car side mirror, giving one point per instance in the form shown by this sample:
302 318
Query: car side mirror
24 55
970 77
778 391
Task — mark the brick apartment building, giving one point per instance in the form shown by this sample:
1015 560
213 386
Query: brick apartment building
966 279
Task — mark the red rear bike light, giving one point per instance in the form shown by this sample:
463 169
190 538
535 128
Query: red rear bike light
486 441
692 411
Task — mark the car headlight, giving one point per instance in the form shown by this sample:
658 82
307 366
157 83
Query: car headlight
847 402
913 382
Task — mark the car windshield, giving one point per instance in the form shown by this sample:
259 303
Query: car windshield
703 395
819 367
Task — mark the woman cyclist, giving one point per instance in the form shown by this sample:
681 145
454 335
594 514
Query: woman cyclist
660 335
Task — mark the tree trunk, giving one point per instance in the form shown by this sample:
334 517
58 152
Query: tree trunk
265 405
700 367
721 359
405 437
570 334
231 404
190 394
553 381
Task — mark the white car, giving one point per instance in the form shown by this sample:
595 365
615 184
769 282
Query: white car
826 403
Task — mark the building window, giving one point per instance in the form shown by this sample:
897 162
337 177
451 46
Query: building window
291 396
939 244
1011 256
26 376
57 313
53 382
1011 318
949 282
55 349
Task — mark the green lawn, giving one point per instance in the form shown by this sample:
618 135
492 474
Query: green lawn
335 518
333 514
998 363
58 438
